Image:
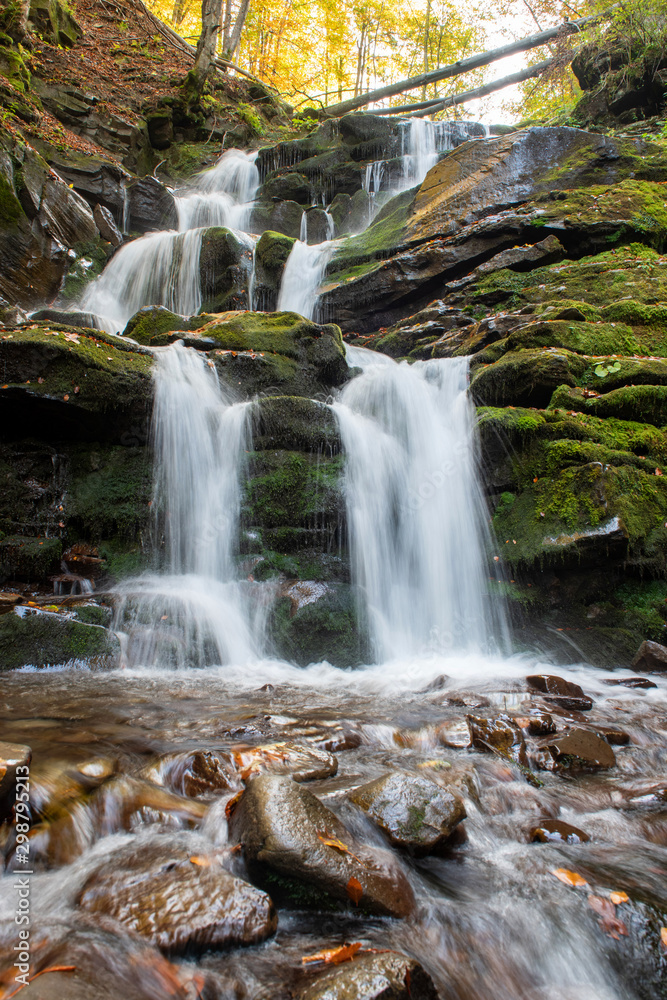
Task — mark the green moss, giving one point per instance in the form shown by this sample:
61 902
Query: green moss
28 558
644 605
381 239
10 208
109 492
583 338
91 259
292 489
43 639
326 629
123 558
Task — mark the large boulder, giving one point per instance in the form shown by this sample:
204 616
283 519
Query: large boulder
31 637
151 206
296 846
176 898
225 265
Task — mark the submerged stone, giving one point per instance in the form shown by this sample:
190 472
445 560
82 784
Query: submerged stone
580 749
563 693
558 831
501 735
389 976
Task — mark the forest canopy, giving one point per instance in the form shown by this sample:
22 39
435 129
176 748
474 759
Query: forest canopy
320 52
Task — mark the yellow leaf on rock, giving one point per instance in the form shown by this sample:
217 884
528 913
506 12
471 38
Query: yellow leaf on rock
619 897
333 956
569 878
355 890
663 935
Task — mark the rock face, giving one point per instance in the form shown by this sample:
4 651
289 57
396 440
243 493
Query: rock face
652 657
303 854
178 900
390 976
43 638
414 813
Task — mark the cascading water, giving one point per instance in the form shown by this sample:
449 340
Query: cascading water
163 268
304 273
193 613
416 517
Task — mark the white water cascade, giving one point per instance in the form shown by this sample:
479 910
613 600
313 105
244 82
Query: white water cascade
194 612
416 516
304 273
163 268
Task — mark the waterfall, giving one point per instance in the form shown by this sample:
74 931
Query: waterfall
304 273
416 516
162 269
159 270
192 613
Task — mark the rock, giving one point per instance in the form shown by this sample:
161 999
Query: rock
271 253
11 316
557 831
284 828
58 785
294 423
119 804
631 682
285 218
613 735
580 749
193 772
14 765
501 735
388 976
66 317
89 385
152 207
54 22
29 637
225 263
539 723
313 621
455 734
300 763
412 811
176 899
104 221
526 377
563 693
651 657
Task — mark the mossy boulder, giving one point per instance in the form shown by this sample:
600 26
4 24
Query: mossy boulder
149 325
30 637
29 558
319 622
225 264
271 253
74 382
526 378
54 22
644 403
294 423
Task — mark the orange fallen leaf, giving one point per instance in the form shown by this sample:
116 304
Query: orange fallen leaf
619 897
333 956
569 878
52 968
201 861
232 803
609 922
65 397
663 935
331 841
355 890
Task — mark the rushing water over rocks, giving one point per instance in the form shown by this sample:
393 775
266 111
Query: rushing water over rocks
416 515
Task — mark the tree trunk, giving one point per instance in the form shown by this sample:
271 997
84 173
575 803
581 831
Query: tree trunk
227 27
211 12
238 27
462 66
431 107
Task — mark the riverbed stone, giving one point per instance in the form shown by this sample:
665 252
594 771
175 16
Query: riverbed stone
301 852
500 734
651 657
388 976
177 899
550 831
560 692
192 773
579 749
414 812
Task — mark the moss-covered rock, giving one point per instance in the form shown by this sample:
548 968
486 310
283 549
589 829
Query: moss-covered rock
271 253
318 622
61 382
295 423
294 490
225 263
28 558
29 637
526 378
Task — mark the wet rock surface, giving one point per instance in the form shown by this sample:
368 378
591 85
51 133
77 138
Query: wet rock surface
414 813
652 657
178 900
373 976
557 831
301 851
580 748
560 692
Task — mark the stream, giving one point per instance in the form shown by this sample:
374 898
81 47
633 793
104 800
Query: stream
152 784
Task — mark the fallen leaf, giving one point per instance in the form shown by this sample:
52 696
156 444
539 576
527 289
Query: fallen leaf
331 841
355 890
609 922
202 862
663 935
333 956
569 878
232 803
619 897
65 397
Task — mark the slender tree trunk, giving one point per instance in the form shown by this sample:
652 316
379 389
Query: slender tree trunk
238 27
462 66
211 11
227 27
426 43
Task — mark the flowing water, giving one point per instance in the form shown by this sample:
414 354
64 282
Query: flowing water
417 520
491 921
